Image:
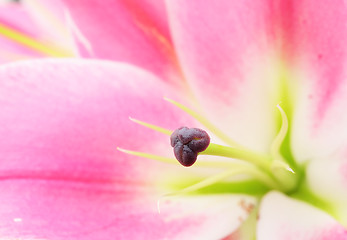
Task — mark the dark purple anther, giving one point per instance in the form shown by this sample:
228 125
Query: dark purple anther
187 143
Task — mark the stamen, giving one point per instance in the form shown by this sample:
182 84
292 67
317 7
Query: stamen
149 156
31 43
151 126
276 144
204 183
204 121
277 164
187 143
209 181
279 161
240 170
209 164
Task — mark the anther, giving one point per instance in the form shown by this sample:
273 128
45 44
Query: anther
187 143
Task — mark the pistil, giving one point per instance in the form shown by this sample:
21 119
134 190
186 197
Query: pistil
189 143
260 160
270 169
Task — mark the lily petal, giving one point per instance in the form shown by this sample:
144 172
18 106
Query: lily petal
130 31
226 56
51 17
319 51
67 88
22 37
327 178
14 16
61 175
281 217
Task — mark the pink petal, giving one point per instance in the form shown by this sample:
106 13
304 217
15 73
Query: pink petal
226 56
281 217
319 52
50 16
239 52
22 37
61 175
131 31
10 15
14 16
67 86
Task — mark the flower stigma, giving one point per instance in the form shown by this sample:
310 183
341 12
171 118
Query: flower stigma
187 143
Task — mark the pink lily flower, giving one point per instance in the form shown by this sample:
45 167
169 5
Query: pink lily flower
268 173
